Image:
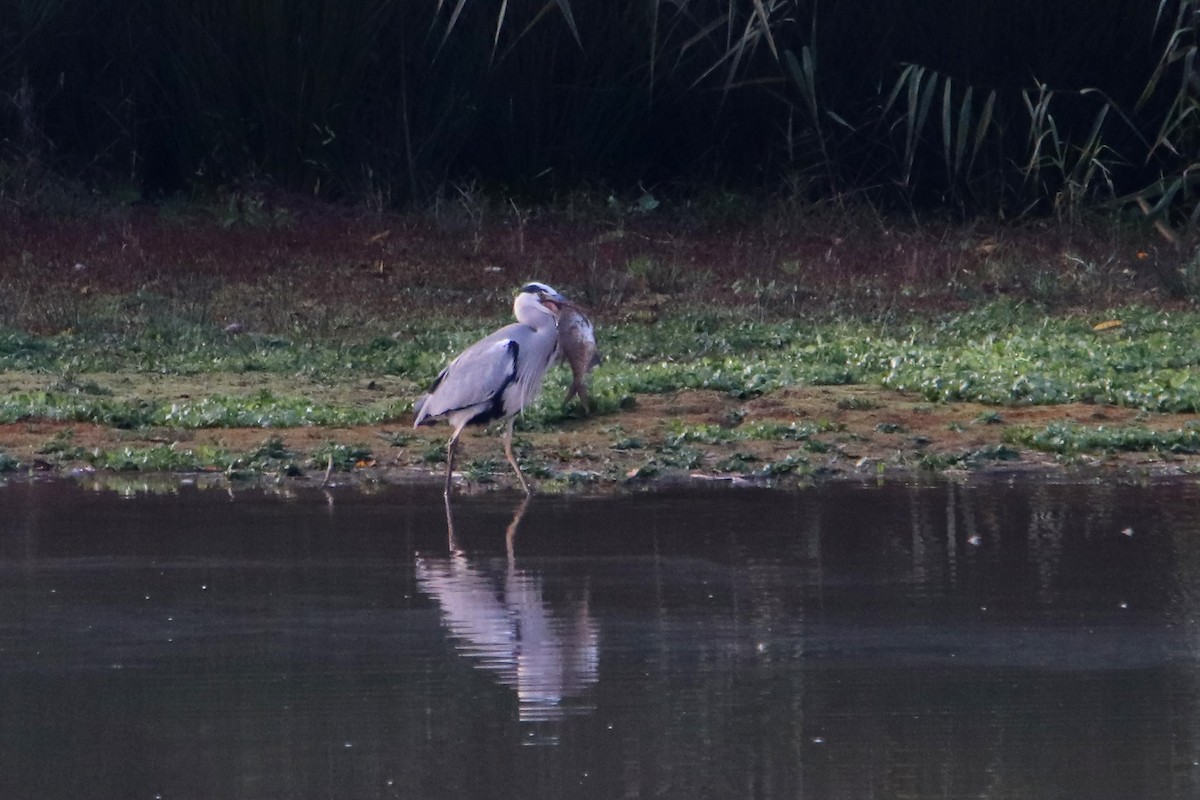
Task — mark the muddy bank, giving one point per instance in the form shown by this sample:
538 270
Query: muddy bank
811 434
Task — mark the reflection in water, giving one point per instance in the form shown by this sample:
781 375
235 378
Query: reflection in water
500 619
1002 639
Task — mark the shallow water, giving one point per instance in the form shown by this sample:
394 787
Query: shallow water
1001 639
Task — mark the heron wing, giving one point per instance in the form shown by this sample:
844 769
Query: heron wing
475 378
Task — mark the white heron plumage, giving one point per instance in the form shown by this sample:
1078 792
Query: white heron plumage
499 375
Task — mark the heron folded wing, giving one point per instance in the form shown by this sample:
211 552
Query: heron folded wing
475 378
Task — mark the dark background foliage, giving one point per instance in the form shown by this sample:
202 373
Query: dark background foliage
997 105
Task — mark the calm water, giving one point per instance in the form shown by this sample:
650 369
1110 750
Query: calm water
999 640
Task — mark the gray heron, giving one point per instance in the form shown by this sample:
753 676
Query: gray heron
499 375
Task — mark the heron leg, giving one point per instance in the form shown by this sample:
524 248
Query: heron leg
508 451
510 533
451 446
451 540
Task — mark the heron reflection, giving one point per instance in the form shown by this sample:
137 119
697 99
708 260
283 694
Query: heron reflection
500 618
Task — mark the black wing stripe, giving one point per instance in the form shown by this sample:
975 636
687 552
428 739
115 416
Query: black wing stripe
437 381
495 408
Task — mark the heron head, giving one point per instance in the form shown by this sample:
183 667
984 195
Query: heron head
546 295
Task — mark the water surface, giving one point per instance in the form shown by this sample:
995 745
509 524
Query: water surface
1001 639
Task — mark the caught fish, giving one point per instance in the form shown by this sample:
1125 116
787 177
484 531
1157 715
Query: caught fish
577 346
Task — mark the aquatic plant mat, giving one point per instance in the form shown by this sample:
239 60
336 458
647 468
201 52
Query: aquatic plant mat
751 351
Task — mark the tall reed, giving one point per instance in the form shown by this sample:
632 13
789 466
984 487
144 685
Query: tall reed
982 108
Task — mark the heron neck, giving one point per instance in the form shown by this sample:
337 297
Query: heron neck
535 316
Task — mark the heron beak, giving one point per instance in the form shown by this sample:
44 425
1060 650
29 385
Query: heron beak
571 304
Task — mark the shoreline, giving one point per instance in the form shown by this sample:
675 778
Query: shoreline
796 437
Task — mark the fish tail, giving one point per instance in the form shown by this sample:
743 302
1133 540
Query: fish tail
579 389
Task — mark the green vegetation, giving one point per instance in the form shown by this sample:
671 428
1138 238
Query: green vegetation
969 459
1006 355
763 431
257 410
341 457
1003 354
1000 354
270 458
798 387
1068 439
